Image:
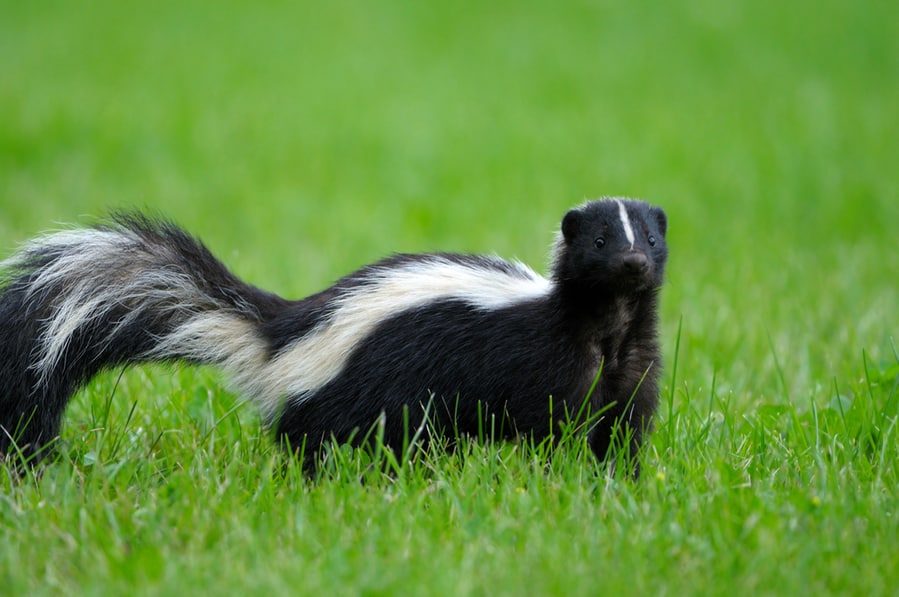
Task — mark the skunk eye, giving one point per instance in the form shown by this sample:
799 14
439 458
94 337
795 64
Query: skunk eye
652 240
599 243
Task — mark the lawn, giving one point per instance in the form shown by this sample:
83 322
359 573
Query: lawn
300 141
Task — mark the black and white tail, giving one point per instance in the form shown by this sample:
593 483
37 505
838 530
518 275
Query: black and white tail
131 290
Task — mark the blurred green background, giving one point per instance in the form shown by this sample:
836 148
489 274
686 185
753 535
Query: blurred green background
301 140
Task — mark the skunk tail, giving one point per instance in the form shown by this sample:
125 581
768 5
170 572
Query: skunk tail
132 290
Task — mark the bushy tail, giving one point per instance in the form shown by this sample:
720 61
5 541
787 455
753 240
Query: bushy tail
131 290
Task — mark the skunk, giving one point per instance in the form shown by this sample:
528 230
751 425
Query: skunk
461 343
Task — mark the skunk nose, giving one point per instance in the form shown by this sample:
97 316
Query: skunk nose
635 262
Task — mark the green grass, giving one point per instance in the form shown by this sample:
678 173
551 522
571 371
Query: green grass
301 141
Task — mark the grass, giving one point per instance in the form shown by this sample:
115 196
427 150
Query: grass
301 141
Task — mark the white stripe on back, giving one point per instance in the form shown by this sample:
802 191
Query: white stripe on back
625 222
319 356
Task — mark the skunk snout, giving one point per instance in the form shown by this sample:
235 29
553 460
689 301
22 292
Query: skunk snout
635 262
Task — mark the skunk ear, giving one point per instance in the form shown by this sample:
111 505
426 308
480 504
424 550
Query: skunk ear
571 224
661 219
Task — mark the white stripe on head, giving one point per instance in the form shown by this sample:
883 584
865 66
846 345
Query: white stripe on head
625 222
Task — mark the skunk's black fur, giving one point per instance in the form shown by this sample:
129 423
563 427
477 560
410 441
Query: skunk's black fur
477 343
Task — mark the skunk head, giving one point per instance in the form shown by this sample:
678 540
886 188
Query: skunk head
612 246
